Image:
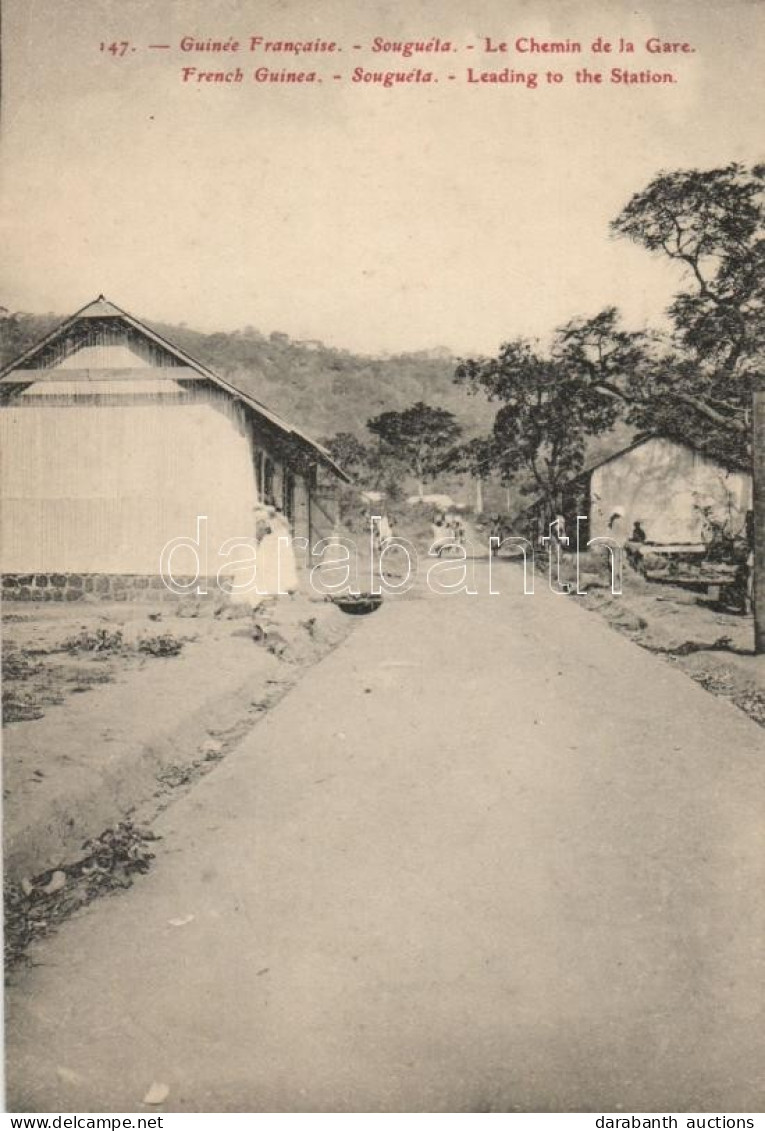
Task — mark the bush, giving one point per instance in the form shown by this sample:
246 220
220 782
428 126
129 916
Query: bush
100 641
163 645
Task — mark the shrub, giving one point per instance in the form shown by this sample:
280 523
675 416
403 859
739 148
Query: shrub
99 641
163 645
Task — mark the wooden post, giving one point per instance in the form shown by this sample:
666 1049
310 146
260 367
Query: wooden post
758 505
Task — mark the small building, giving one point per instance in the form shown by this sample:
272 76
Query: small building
114 442
664 484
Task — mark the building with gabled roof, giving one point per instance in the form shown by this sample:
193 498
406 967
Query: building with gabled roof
665 484
114 441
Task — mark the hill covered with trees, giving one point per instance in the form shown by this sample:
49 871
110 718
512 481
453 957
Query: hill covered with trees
321 389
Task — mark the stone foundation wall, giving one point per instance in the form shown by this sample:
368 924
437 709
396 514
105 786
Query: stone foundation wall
98 586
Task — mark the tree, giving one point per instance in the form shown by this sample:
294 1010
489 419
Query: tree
549 407
758 446
419 437
369 465
20 331
710 223
478 458
347 450
698 373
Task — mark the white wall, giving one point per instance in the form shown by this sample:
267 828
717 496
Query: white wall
102 488
661 484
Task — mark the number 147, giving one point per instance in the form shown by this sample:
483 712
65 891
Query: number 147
118 49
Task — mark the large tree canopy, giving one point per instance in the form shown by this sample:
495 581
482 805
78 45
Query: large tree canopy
549 404
711 224
695 377
419 436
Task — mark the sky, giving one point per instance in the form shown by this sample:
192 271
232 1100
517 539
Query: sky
451 214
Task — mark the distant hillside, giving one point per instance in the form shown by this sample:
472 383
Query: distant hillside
326 391
322 390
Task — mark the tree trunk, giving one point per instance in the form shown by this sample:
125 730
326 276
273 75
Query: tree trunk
758 472
479 495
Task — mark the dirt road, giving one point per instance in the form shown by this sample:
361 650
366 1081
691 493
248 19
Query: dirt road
488 855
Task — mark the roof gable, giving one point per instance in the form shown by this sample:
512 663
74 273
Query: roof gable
648 439
69 345
36 363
